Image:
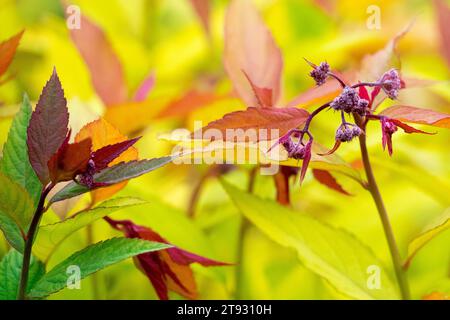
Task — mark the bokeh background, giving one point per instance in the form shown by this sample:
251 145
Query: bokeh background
167 38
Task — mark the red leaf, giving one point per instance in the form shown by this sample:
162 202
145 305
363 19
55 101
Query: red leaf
104 156
407 128
306 160
325 178
70 160
250 47
268 123
166 269
264 96
47 129
104 66
443 18
7 51
418 115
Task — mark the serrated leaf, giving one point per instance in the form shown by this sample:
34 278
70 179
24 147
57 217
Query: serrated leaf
250 49
51 235
264 123
10 270
92 259
7 51
16 211
115 174
48 127
104 65
333 254
437 226
15 163
418 115
103 134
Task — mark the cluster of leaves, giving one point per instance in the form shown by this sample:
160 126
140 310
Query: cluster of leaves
37 157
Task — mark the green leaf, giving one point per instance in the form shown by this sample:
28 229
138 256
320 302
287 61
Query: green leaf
16 210
92 259
10 270
437 226
333 254
12 232
51 235
15 163
115 174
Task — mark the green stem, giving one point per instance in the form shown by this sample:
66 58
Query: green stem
29 242
372 187
245 224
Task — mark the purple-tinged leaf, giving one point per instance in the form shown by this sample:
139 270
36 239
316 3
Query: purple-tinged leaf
104 156
48 127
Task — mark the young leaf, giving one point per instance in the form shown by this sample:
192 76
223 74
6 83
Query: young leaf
51 235
437 226
104 66
7 51
69 160
15 204
418 115
48 127
103 134
325 178
92 259
333 254
250 49
15 163
10 270
115 174
280 119
104 156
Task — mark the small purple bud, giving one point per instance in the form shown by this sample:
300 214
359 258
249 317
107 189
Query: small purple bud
361 107
294 150
320 73
346 101
346 133
391 83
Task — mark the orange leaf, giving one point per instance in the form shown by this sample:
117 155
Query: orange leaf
104 66
418 115
280 119
131 117
7 50
250 48
103 134
190 101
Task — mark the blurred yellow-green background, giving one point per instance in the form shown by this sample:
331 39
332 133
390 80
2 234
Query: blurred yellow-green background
167 38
